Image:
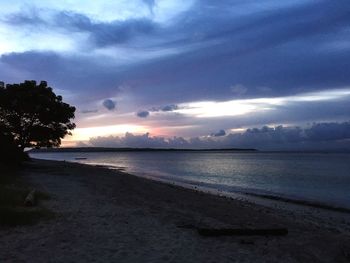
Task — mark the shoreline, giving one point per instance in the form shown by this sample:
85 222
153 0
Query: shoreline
306 196
115 216
249 195
312 209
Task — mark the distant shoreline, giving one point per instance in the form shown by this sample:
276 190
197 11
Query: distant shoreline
129 149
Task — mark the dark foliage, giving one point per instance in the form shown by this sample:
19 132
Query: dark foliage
32 115
9 152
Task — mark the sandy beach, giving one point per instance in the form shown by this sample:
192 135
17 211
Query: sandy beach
109 216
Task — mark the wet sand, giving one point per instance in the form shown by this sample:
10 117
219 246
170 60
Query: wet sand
110 216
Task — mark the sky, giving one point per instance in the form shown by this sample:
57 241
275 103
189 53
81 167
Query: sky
267 74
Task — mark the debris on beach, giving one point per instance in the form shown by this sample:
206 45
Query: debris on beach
30 199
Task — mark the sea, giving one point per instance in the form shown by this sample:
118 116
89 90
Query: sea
319 179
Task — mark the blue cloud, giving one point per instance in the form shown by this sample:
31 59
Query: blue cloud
219 133
287 49
171 107
104 34
109 104
143 114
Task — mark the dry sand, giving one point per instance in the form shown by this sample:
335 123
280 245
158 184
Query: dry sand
109 216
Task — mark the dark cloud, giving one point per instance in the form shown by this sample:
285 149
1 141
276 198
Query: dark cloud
318 136
219 133
29 17
77 75
101 33
325 136
105 34
143 114
170 107
109 104
328 131
287 49
166 108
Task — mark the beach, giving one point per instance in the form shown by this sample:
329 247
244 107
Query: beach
104 215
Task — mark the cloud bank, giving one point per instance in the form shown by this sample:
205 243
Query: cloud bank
319 136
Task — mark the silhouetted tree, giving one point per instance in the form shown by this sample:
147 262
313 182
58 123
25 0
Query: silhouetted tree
33 115
9 152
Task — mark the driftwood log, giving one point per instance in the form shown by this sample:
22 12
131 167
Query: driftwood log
30 199
213 232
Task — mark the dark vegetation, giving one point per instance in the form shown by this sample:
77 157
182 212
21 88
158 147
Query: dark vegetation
13 191
31 115
10 154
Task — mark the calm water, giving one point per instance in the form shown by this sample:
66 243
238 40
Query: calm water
319 177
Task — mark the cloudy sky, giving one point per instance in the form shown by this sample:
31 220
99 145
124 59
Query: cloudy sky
171 73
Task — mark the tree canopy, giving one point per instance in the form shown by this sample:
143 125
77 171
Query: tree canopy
34 115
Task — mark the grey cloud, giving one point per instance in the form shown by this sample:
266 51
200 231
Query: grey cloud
281 49
109 104
101 33
30 17
328 131
171 107
319 136
82 76
105 34
143 114
88 111
326 136
219 133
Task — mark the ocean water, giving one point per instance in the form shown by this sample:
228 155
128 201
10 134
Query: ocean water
322 178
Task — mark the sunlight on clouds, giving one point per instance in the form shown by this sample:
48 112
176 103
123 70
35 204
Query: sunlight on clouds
322 95
52 38
217 109
105 10
36 41
166 10
238 130
83 134
125 54
243 107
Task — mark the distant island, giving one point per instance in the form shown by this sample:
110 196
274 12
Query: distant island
129 149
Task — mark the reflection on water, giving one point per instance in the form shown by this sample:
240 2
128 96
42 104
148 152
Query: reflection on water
307 176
